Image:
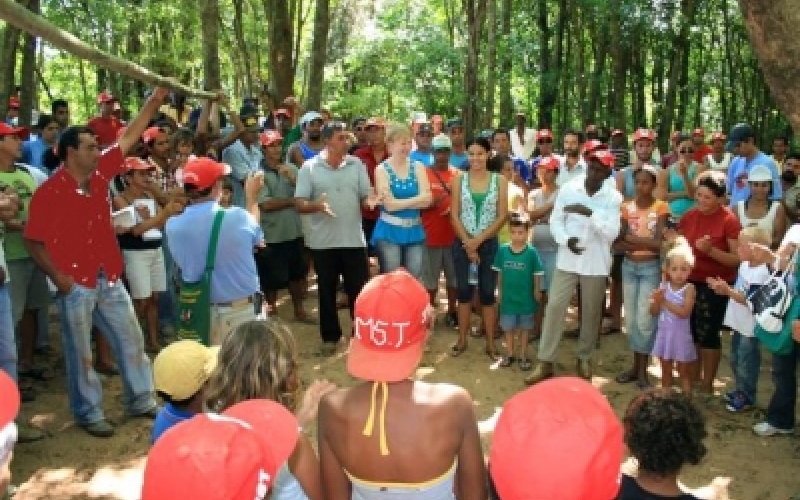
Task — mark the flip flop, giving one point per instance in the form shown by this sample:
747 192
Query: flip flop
507 361
40 373
525 365
477 333
457 350
625 378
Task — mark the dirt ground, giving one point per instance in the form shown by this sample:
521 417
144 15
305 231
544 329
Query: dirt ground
70 464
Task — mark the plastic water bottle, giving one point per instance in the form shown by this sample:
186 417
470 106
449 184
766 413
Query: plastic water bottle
473 273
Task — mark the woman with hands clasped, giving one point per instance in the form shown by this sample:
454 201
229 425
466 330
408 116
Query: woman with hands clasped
676 184
479 209
403 189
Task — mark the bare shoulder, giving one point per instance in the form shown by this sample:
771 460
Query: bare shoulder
442 393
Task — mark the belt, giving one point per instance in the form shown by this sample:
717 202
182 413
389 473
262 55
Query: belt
399 221
235 303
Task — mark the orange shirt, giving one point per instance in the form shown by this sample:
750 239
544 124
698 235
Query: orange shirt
642 222
436 219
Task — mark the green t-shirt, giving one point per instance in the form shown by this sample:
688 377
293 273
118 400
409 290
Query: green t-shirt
284 224
517 271
24 185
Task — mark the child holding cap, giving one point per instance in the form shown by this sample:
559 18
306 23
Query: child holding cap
391 436
180 373
258 361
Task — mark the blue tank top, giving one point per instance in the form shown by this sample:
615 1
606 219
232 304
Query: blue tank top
306 150
679 206
401 189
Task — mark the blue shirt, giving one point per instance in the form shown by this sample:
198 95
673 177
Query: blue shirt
424 158
739 188
460 161
522 168
33 153
235 276
168 417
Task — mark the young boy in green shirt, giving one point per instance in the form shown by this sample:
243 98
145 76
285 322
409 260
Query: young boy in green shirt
519 277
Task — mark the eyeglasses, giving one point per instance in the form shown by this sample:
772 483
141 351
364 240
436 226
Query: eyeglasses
764 184
687 151
545 141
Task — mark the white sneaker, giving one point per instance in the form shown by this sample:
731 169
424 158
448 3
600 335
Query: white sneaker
765 429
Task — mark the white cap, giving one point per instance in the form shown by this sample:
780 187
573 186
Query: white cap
309 117
442 141
759 173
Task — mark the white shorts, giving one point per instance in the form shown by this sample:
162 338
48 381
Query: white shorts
145 272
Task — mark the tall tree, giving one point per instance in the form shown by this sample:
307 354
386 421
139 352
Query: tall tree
28 73
505 67
319 50
210 31
476 18
281 50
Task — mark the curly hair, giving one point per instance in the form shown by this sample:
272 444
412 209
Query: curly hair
664 431
256 361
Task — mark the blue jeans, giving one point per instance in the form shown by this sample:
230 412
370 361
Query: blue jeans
548 258
43 327
780 413
639 280
8 345
167 309
745 363
109 307
391 256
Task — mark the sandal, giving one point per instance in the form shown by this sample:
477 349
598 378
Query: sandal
643 385
572 334
106 370
40 373
492 355
477 333
507 361
525 364
626 378
457 350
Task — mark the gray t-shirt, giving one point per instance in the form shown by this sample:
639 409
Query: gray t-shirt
345 187
284 224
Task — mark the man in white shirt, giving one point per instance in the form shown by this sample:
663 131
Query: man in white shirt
572 165
584 223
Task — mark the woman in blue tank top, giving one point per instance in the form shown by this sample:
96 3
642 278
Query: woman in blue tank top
403 189
676 184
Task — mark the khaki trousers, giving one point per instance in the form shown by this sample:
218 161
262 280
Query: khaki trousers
593 288
225 319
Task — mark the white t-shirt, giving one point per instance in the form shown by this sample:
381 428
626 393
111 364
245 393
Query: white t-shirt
738 316
792 236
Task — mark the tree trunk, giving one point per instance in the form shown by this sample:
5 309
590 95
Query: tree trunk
476 17
506 102
281 38
8 64
28 73
547 90
600 52
619 65
319 51
210 31
238 29
772 27
490 66
680 48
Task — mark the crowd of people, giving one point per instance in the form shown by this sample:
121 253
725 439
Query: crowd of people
110 221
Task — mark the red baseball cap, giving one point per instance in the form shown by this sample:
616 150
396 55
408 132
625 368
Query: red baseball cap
270 137
210 457
644 133
558 439
593 145
9 400
136 163
282 111
718 136
203 172
13 102
105 97
698 132
151 133
544 133
21 132
549 163
616 132
272 422
392 316
603 156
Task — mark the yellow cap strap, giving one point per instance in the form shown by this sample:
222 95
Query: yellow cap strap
370 424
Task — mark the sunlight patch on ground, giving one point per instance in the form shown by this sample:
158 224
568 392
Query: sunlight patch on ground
119 482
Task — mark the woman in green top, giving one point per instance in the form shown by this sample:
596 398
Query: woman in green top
479 209
676 184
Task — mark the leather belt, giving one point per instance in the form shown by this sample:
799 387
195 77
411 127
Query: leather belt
235 303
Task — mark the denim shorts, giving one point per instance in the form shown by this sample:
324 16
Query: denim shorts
487 277
510 323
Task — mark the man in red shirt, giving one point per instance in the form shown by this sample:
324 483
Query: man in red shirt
70 236
439 234
701 149
105 126
372 156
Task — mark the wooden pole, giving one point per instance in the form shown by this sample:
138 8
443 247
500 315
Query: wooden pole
22 18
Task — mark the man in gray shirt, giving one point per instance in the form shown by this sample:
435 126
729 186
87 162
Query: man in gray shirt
333 187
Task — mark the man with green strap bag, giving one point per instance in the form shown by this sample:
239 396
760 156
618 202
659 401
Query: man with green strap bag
214 250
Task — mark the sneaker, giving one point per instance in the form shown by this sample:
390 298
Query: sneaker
28 434
100 429
729 396
151 414
451 320
739 403
765 429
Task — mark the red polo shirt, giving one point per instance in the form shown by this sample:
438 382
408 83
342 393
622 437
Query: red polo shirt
105 129
365 154
75 227
700 153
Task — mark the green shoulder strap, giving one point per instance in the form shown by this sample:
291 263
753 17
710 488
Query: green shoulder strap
212 246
